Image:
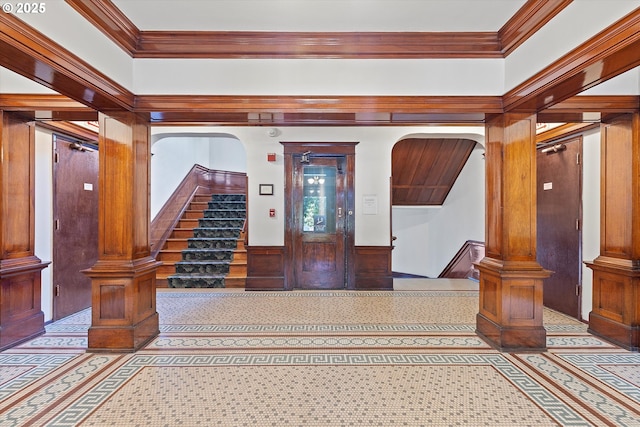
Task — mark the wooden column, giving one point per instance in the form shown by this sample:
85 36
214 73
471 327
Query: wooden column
510 316
124 316
615 315
21 316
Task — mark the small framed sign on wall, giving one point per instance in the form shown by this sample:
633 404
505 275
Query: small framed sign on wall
266 189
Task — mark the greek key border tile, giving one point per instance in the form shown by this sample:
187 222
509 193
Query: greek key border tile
315 294
591 363
42 364
72 415
46 395
583 390
316 342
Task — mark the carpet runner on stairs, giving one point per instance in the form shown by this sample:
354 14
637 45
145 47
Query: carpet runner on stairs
205 262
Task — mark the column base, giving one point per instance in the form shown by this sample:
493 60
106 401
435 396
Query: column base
20 302
625 336
123 339
123 315
511 339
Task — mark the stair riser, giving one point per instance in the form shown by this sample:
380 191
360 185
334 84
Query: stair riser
188 223
169 256
238 270
233 206
228 197
225 213
166 270
202 269
240 256
193 215
193 282
205 255
176 244
212 244
216 232
222 223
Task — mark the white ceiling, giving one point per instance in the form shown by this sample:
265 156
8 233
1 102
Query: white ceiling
320 15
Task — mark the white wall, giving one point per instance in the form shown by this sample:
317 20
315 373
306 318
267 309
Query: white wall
44 215
428 237
372 171
590 213
562 34
175 154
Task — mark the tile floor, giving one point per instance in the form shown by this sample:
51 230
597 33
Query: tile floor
311 358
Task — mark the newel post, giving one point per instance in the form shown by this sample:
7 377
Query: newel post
511 307
123 280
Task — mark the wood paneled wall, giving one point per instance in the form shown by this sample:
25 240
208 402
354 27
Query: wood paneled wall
373 268
616 277
266 268
21 317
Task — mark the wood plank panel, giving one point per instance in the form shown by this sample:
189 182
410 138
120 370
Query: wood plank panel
425 169
373 268
265 268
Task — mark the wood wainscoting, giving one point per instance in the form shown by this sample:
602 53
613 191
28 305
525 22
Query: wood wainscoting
265 268
373 268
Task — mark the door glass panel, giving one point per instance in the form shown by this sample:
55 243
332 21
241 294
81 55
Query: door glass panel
319 202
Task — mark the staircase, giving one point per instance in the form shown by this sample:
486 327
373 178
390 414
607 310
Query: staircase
206 249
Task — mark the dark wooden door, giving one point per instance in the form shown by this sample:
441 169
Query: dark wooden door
75 229
559 241
319 218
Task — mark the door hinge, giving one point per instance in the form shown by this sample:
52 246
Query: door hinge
577 158
56 224
56 157
578 224
578 287
57 292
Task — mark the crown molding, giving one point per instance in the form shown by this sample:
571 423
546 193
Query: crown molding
609 53
105 16
532 16
26 51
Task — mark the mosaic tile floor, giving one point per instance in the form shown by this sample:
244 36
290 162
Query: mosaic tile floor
309 358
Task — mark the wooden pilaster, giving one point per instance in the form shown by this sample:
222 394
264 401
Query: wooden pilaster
21 316
615 315
124 316
510 314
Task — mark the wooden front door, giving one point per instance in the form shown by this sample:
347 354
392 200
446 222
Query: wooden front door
559 238
75 230
318 214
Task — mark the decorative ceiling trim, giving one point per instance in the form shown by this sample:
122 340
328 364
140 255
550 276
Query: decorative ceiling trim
318 104
609 53
26 51
105 16
31 54
599 103
279 45
29 102
532 16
